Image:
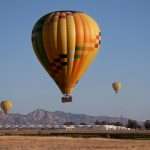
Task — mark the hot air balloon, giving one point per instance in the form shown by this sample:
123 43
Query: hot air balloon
6 106
116 86
66 43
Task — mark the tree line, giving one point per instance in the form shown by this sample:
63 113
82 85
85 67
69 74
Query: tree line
132 124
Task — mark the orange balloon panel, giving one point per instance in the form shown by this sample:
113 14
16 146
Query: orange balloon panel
66 43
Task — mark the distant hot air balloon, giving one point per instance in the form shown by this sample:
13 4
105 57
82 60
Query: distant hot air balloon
6 106
66 43
116 86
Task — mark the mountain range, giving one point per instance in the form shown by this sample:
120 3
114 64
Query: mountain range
43 117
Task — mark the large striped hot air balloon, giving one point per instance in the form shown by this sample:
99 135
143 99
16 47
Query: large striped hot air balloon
66 43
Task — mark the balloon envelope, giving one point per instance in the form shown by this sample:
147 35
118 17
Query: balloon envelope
66 43
6 105
116 86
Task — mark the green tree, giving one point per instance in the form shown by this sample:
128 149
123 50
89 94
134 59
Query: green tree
97 122
82 123
133 124
147 124
69 123
104 123
117 123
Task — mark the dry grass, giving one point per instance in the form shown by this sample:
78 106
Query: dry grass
68 143
47 132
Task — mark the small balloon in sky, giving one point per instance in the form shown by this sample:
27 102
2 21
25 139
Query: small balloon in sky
6 105
116 86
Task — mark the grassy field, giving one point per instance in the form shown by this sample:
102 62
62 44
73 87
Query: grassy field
133 134
68 143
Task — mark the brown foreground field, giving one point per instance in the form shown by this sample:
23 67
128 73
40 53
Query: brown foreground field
74 140
69 143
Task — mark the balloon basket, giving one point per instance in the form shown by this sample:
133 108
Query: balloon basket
66 99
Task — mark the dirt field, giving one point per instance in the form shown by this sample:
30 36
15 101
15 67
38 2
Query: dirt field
68 143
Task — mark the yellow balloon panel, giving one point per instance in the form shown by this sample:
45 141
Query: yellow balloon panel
66 43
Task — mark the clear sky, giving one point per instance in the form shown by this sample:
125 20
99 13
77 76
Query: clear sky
124 56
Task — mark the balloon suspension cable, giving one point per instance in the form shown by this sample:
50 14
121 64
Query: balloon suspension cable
66 98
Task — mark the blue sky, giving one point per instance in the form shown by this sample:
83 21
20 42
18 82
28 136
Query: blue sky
124 56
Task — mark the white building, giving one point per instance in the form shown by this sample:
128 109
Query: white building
69 127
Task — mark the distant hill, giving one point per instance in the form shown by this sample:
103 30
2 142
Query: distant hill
43 117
